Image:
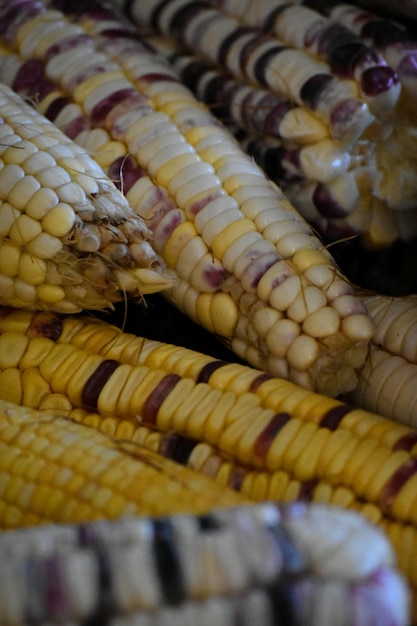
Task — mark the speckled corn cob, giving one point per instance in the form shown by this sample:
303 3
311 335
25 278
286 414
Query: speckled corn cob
68 238
250 269
263 563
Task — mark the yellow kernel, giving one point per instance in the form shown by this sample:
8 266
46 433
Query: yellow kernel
41 203
109 153
87 87
224 314
88 183
31 269
12 348
9 258
24 230
305 258
11 387
303 352
59 220
322 323
71 193
232 232
181 235
203 311
264 318
50 293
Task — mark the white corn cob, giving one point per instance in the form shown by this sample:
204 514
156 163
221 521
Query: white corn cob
243 255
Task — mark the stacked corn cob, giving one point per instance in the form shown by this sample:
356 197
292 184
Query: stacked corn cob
249 268
265 564
296 56
69 239
261 436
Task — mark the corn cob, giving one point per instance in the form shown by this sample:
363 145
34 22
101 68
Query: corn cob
390 38
346 54
262 563
227 270
264 60
113 480
60 218
387 381
382 155
259 435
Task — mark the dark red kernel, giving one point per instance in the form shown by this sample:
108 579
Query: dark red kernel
265 439
157 396
96 382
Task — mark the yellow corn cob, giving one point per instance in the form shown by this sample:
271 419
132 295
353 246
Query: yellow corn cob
68 238
251 429
240 250
53 470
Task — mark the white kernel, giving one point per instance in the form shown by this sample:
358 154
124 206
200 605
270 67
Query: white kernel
285 293
46 140
264 318
90 184
59 220
322 323
339 287
281 336
189 173
9 176
37 162
23 191
348 305
358 327
25 291
53 177
24 230
71 193
319 275
41 203
31 269
305 259
308 301
303 352
219 223
8 216
214 207
289 244
278 366
236 248
19 152
44 246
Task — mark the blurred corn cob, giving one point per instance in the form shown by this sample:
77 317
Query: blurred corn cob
265 563
249 268
259 435
378 196
69 239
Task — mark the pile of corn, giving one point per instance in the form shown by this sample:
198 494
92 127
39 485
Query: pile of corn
116 182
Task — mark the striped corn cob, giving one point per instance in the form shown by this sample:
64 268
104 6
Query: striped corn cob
260 435
346 54
250 269
265 563
69 239
382 163
397 44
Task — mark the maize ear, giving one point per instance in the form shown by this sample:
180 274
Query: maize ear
261 563
235 242
53 470
387 381
382 168
69 239
258 435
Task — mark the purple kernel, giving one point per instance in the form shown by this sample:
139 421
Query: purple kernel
30 73
101 110
326 204
312 90
214 276
408 65
345 59
124 171
376 80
